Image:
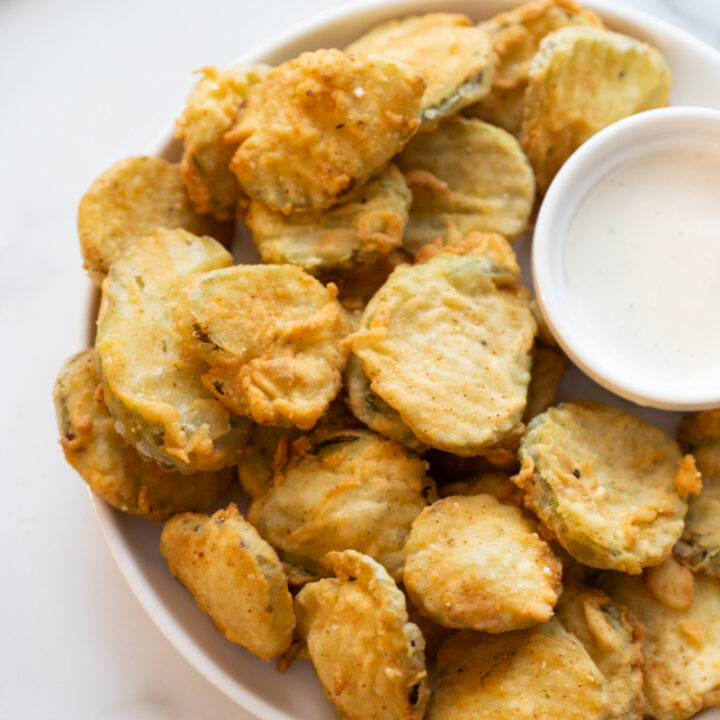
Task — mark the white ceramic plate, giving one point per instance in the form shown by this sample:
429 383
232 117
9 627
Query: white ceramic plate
134 542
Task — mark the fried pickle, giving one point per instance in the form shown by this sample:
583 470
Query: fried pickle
209 113
548 369
543 672
681 648
515 37
447 343
343 237
370 659
700 544
321 125
466 175
272 335
612 637
129 201
582 79
610 487
343 489
235 576
371 409
472 562
455 58
152 387
113 469
495 483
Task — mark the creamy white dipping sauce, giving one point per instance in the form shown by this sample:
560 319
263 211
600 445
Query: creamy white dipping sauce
642 262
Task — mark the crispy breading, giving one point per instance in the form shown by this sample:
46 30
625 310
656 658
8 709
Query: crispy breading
321 125
272 335
494 482
582 79
235 576
543 672
446 343
604 484
465 176
681 648
129 201
113 469
370 659
455 58
516 36
152 387
368 225
700 545
343 489
612 637
371 409
472 562
209 113
548 369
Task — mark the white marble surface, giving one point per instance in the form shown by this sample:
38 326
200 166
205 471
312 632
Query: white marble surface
82 84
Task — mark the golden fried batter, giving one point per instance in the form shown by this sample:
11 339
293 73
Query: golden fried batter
455 58
209 113
371 409
343 489
605 484
681 648
272 335
235 576
129 201
548 369
534 674
466 175
516 36
321 125
152 387
700 544
447 344
112 468
495 483
612 637
582 79
369 658
368 225
472 562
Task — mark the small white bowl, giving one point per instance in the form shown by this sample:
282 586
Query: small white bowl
596 350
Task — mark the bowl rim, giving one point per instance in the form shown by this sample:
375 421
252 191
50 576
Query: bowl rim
623 140
109 519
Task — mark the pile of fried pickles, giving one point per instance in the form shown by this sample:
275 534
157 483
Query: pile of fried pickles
423 514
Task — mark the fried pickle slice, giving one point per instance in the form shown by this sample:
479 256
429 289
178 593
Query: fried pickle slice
612 637
466 176
151 386
582 79
354 233
129 201
495 483
543 672
235 576
455 58
681 648
700 544
371 409
343 489
321 125
370 659
209 113
113 469
610 487
447 343
515 37
548 368
473 563
272 335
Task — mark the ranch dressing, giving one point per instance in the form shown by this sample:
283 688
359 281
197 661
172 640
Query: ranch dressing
642 263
